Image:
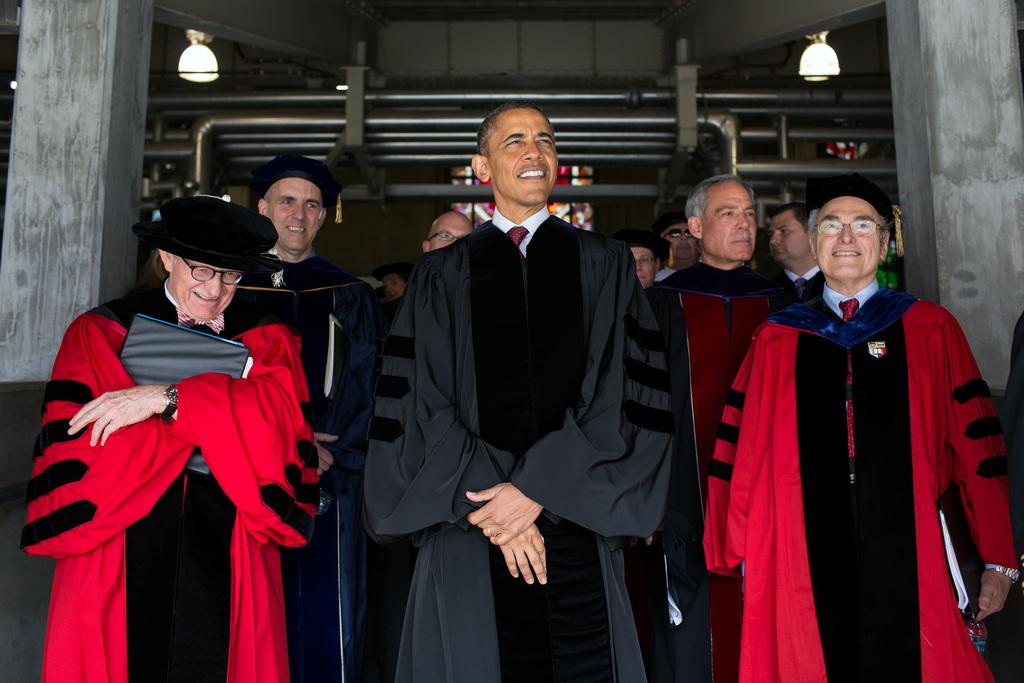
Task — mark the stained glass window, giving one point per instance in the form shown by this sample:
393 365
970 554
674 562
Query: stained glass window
579 214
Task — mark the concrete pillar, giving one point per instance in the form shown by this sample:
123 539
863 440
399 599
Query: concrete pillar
75 171
959 123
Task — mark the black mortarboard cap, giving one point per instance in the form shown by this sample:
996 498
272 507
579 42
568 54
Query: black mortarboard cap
285 166
667 220
821 191
213 231
642 238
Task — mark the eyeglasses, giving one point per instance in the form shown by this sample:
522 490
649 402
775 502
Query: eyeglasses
443 236
206 273
862 227
676 232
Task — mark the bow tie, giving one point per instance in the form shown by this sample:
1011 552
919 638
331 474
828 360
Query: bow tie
217 324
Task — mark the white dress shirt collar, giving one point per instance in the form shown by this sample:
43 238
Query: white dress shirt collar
832 297
806 276
531 224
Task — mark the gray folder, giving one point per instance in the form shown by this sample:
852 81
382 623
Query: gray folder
157 352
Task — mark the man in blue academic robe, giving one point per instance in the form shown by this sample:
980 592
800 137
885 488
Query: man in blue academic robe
339 320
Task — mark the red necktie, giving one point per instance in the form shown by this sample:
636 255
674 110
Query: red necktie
849 307
517 235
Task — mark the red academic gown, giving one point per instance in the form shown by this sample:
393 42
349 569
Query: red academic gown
848 581
84 500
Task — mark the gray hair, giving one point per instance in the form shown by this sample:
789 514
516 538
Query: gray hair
697 202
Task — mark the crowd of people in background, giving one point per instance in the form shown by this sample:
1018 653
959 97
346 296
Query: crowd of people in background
537 454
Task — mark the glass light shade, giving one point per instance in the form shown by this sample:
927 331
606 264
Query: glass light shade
198 64
819 61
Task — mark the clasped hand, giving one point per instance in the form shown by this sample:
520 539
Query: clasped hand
507 520
116 409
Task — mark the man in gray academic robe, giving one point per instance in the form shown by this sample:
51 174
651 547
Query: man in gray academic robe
521 436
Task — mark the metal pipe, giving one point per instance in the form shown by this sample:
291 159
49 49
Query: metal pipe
625 97
204 129
166 151
806 134
816 168
562 136
380 121
597 143
730 145
564 159
802 97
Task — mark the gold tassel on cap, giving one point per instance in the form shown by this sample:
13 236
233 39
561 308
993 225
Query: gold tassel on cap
337 211
897 221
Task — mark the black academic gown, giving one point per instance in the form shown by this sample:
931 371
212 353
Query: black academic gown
1013 428
787 297
547 373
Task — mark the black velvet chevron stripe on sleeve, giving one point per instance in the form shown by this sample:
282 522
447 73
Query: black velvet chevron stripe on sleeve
307 452
645 374
982 427
728 432
975 388
994 466
65 390
399 347
385 429
735 399
652 340
720 470
304 493
284 506
57 522
308 413
646 417
57 474
54 431
392 386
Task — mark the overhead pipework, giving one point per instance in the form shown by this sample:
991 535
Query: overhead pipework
645 127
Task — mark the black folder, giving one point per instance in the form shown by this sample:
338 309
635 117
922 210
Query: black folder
157 352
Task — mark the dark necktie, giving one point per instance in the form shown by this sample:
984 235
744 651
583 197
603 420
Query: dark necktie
800 284
848 307
517 235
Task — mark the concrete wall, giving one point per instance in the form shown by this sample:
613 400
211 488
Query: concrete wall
461 48
24 580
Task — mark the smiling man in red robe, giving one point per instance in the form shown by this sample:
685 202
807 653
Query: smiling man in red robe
165 504
848 420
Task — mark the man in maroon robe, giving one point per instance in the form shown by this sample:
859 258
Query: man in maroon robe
707 314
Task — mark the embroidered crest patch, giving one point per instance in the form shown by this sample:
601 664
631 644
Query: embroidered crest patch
877 349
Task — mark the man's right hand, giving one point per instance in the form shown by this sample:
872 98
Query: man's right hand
324 457
526 552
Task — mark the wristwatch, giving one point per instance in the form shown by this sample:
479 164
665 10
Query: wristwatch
171 396
1012 574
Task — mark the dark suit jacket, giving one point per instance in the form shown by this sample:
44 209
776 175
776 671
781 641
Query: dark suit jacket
813 288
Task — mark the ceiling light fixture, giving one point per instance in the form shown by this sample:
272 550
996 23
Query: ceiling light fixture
819 61
341 86
198 63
